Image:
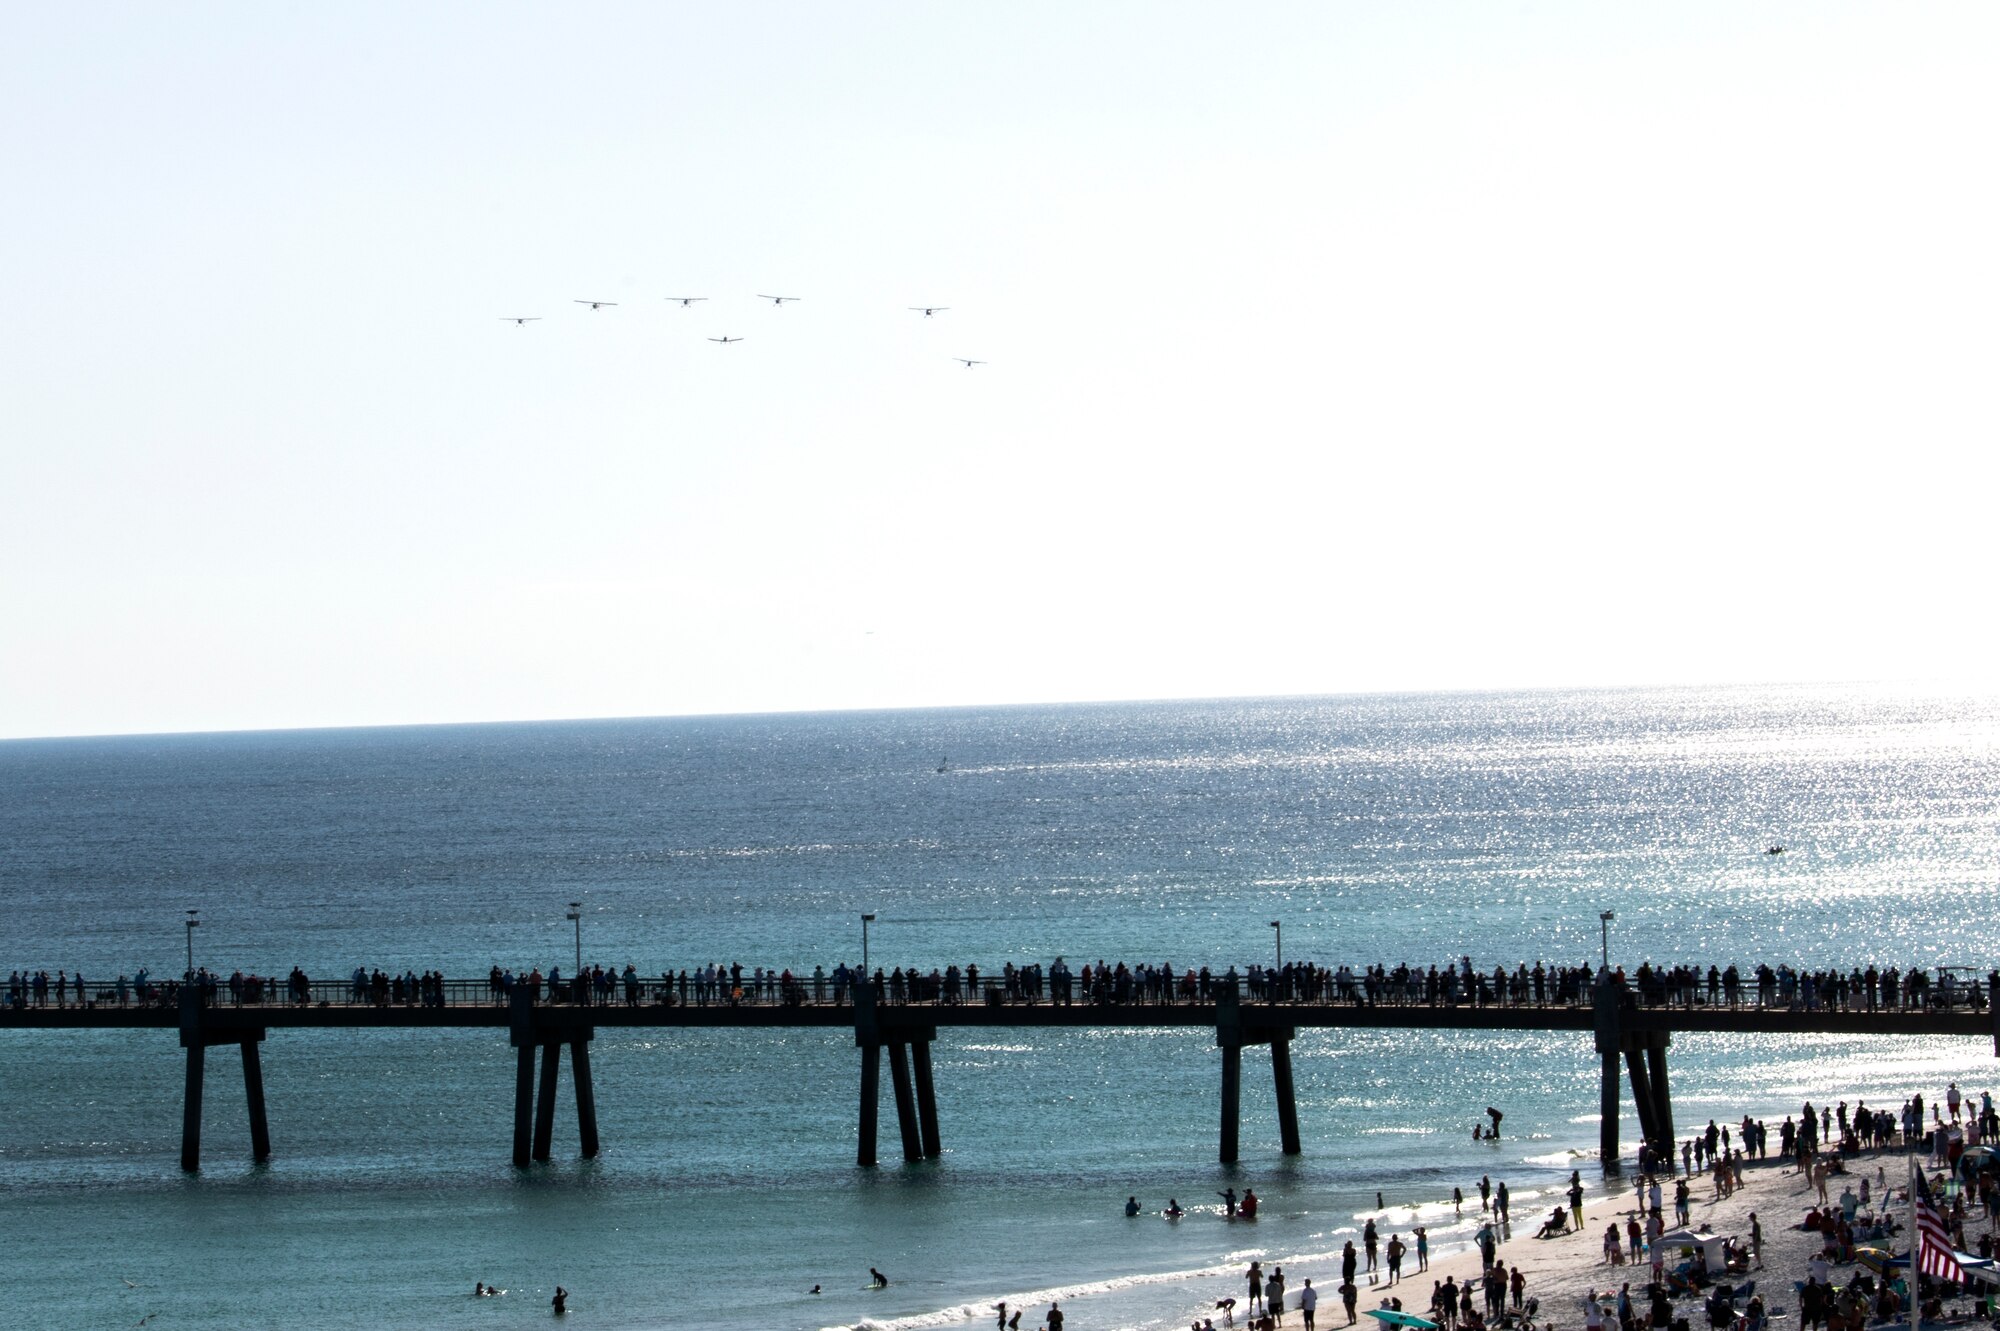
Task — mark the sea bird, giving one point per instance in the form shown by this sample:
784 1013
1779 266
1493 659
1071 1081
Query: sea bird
594 304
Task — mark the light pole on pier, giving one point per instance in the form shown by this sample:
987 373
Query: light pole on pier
1604 919
575 917
866 919
1279 929
192 925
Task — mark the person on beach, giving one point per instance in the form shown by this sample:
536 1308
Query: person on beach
1576 1199
1517 1285
1274 1294
1395 1258
1369 1242
1457 1201
1500 1201
1653 1196
1001 1308
1348 1262
1423 1249
1612 1254
1308 1301
1255 1277
1055 1318
1485 1193
1350 1296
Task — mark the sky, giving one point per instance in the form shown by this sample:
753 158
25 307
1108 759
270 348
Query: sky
1329 347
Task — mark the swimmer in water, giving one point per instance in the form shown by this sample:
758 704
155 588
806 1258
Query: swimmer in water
479 1290
813 1290
560 1303
879 1279
1131 1206
1173 1211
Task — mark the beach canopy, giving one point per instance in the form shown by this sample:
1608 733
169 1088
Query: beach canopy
1711 1245
1390 1317
1983 1269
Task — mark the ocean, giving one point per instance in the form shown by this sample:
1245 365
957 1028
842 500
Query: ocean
1418 828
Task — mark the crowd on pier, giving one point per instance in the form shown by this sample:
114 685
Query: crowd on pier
1783 987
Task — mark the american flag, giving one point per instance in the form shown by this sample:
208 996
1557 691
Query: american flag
1933 1250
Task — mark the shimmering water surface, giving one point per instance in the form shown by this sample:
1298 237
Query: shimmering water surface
1416 828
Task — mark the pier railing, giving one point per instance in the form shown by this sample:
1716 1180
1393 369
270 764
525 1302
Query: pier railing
1025 989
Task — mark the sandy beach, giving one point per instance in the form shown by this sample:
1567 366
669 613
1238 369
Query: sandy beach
1561 1272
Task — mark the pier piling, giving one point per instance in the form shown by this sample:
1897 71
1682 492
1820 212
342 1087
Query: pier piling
191 1110
524 1103
1232 1100
927 1115
586 1098
545 1099
253 1092
871 1096
906 1101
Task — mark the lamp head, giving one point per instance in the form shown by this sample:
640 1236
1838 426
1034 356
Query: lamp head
867 916
1607 916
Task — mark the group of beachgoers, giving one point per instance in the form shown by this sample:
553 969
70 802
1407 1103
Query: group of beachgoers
1296 982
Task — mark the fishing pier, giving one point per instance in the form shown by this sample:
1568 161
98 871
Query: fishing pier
1622 1029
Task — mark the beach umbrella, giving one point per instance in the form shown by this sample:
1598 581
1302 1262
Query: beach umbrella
1875 1259
1390 1317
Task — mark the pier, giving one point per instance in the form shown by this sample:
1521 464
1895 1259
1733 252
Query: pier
1629 1029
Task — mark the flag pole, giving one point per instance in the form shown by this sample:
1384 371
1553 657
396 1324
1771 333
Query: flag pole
1916 1243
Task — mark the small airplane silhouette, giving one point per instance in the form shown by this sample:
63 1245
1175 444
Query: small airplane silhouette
520 319
775 300
928 310
968 364
594 304
725 339
687 300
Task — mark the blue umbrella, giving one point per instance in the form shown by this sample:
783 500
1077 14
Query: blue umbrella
1390 1317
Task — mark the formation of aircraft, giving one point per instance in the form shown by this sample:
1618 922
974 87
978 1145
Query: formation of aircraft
689 302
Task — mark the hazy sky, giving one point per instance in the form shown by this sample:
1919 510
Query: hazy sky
1332 347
